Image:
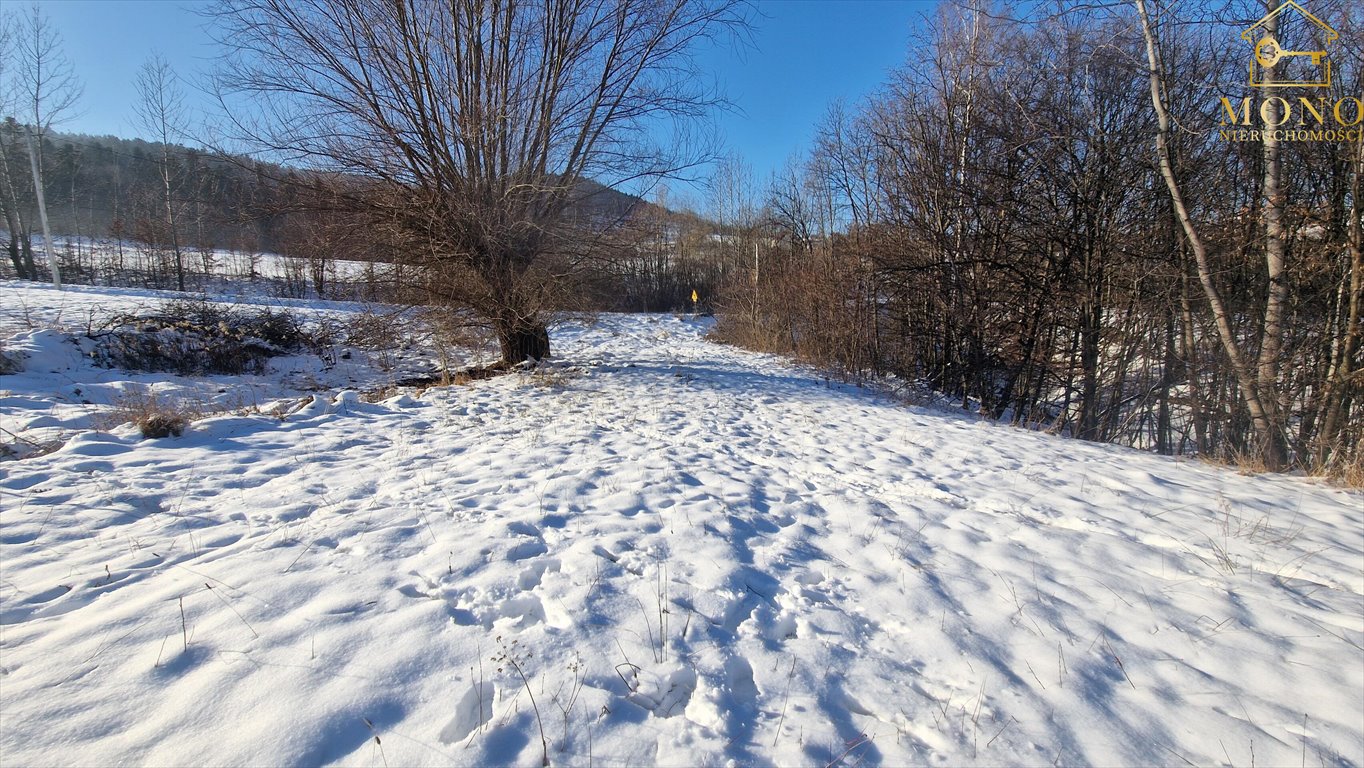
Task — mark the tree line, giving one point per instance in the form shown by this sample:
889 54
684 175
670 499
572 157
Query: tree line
107 187
160 198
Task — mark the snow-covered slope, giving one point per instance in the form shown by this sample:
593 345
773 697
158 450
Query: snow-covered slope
667 552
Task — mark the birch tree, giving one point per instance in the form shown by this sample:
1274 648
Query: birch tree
39 88
15 226
160 111
48 90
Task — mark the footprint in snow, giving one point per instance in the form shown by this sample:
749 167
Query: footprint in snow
530 577
666 695
525 611
526 550
473 710
739 681
524 529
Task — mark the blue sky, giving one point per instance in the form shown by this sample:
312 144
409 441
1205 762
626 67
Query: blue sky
804 55
108 40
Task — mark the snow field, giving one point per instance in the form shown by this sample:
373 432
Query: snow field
675 553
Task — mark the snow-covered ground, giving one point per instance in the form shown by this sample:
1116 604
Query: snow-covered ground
664 551
62 393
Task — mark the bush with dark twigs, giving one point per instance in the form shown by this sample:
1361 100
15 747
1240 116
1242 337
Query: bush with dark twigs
197 338
10 362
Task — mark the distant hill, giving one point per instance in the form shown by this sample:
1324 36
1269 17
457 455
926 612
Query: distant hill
106 186
98 187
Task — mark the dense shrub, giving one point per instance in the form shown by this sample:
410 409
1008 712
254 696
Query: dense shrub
196 338
10 362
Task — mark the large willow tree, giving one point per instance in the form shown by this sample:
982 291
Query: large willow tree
473 123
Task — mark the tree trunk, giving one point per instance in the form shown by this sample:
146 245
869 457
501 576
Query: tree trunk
1168 379
1275 449
26 253
1091 315
170 218
14 257
10 206
521 338
1344 348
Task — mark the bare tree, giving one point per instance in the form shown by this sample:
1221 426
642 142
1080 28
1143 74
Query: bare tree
845 156
791 205
48 88
1002 243
1271 345
16 227
735 211
1344 374
473 122
160 111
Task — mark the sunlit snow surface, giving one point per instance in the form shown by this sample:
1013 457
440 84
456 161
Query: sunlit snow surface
695 555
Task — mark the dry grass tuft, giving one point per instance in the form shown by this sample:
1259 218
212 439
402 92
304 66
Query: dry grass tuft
1348 472
547 377
153 417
